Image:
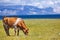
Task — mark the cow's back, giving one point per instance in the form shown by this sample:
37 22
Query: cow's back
9 20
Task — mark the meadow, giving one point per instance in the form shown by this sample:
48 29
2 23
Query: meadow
39 29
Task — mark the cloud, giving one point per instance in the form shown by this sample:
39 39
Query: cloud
57 10
13 2
42 4
0 11
38 3
8 12
22 8
55 4
32 13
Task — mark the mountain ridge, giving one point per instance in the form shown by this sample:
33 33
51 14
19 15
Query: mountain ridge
25 10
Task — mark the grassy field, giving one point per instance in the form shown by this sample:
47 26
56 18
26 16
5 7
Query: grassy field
39 29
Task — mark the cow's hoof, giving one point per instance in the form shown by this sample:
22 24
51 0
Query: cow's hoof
8 35
17 35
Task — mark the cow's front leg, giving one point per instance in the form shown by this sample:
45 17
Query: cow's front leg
17 31
6 30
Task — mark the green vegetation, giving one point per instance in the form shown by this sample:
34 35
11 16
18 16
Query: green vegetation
39 29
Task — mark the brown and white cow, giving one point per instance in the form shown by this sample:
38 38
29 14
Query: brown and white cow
16 23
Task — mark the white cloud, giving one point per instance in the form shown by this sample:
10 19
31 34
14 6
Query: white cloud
57 10
22 8
13 2
8 12
32 13
4 0
0 11
47 3
38 3
42 4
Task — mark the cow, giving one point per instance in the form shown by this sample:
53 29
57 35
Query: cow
15 23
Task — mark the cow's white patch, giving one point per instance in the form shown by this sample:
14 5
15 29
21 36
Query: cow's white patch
18 19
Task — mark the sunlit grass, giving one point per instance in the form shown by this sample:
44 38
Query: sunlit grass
39 29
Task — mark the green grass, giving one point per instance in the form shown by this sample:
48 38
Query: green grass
39 29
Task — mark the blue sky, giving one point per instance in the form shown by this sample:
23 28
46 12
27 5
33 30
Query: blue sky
55 4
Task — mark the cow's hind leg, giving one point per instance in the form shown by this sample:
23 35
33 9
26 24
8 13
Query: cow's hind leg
6 30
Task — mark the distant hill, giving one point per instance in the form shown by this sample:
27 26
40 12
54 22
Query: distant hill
34 16
25 10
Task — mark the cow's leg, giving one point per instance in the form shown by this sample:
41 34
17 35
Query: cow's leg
17 31
6 30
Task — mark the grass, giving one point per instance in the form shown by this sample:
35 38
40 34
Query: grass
39 29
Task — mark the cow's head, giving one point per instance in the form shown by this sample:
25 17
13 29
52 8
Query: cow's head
26 31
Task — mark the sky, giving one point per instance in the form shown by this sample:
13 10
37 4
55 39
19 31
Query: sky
55 4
